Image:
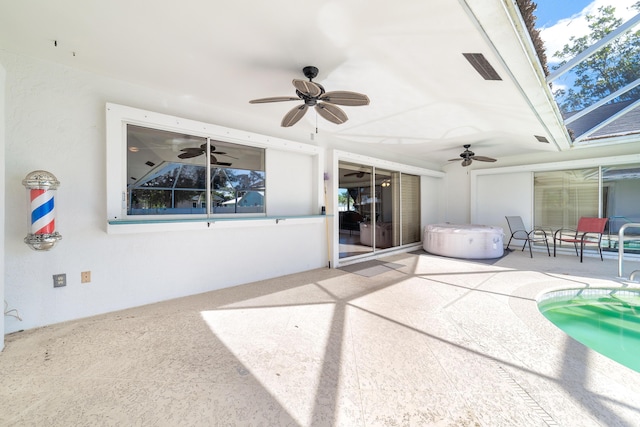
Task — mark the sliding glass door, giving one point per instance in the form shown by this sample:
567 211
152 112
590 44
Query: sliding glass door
410 208
562 197
613 192
621 204
378 209
355 208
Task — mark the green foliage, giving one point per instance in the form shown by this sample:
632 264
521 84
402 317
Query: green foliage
344 199
607 70
527 10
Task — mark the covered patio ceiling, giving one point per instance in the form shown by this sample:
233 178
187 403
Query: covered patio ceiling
427 99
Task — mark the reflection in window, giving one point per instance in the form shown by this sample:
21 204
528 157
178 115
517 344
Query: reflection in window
621 201
168 175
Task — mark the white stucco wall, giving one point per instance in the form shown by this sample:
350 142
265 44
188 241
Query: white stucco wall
55 120
500 195
456 184
432 206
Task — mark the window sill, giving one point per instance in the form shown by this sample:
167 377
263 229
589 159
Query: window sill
125 226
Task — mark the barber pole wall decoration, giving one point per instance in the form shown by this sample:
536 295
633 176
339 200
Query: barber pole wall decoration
41 186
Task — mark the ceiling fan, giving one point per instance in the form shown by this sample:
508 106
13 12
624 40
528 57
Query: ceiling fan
469 156
357 174
314 95
198 151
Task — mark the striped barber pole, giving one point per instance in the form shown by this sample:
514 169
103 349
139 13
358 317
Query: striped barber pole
41 186
43 215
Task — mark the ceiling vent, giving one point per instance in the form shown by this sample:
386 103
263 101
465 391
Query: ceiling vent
150 163
541 139
482 66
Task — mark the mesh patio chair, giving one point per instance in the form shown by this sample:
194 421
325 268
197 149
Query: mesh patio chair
519 232
588 232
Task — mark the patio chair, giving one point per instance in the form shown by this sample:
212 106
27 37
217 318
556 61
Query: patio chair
588 232
519 232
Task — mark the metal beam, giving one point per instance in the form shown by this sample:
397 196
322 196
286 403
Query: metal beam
603 101
607 121
585 54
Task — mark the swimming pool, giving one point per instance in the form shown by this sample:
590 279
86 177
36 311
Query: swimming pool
606 320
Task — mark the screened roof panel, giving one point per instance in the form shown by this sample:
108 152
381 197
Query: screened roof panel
595 77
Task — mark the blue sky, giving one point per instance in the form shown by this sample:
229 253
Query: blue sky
558 20
550 12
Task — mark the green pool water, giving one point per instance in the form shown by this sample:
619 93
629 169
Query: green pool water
606 320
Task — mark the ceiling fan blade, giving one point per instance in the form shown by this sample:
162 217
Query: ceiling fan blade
189 153
222 153
344 97
294 115
192 150
467 162
454 160
308 88
214 161
332 113
483 159
273 99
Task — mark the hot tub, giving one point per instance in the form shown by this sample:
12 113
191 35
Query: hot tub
464 240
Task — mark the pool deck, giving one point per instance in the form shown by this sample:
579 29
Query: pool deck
408 340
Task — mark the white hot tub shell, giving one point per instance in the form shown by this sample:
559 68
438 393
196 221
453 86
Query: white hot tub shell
464 240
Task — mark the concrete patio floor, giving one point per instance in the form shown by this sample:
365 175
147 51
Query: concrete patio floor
407 340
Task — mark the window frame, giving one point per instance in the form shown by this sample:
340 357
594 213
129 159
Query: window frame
422 174
117 119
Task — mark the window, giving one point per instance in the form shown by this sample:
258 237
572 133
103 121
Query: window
410 209
621 204
171 173
562 197
168 174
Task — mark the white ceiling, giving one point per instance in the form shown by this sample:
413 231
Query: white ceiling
426 99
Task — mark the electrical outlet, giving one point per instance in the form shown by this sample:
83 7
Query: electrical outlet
59 280
85 277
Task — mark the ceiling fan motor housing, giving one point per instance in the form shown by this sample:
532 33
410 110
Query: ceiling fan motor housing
310 72
310 100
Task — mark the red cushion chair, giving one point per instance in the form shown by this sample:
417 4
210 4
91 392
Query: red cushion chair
588 232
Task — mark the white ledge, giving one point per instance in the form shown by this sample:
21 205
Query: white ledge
124 226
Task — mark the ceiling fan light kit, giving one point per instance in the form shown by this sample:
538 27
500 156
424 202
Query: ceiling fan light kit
314 95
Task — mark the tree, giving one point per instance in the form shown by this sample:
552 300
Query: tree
607 70
344 199
528 13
